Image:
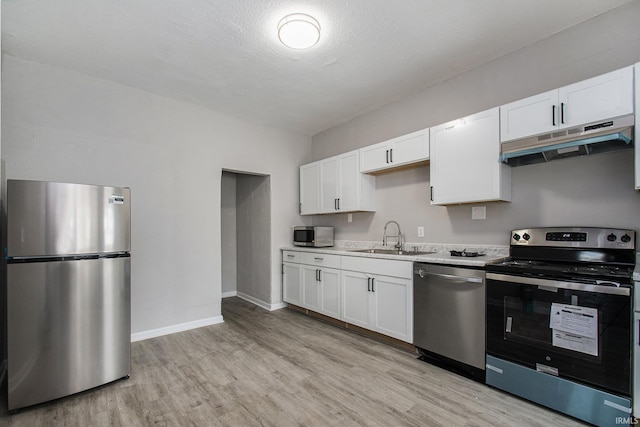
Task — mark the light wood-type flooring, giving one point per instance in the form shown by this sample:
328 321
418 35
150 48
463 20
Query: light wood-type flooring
281 368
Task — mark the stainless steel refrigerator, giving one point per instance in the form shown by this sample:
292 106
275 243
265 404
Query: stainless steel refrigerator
68 289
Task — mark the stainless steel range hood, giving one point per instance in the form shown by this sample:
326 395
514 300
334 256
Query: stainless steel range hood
593 138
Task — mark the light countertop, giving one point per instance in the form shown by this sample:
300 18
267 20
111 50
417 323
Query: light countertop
441 253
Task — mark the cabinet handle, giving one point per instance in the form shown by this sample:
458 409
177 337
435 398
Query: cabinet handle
553 115
319 259
562 112
373 284
391 156
432 193
338 203
368 284
319 275
387 156
290 256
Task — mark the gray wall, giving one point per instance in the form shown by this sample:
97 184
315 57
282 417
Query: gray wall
595 191
60 125
228 234
253 218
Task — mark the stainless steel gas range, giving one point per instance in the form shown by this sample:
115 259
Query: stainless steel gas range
560 321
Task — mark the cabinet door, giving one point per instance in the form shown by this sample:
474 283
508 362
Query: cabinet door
529 116
410 148
637 131
356 308
330 292
329 185
310 287
603 97
292 283
310 188
464 161
374 157
393 307
349 181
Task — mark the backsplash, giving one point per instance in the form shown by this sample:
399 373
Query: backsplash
489 250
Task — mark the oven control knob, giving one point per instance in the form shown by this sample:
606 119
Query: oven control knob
516 237
612 237
526 236
626 238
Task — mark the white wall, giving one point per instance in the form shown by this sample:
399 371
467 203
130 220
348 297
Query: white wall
596 191
63 126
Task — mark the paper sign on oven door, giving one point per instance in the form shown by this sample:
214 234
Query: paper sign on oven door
574 328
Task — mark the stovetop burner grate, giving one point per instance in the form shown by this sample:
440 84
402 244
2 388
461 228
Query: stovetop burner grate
568 271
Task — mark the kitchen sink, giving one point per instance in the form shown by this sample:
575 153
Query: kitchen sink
392 252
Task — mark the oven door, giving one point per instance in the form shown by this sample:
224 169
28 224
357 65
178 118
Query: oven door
580 332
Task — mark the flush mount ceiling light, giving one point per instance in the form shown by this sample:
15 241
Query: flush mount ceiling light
298 31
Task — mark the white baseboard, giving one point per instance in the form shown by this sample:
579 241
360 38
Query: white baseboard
181 327
260 303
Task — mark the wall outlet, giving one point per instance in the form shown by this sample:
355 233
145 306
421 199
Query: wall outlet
420 231
478 212
349 217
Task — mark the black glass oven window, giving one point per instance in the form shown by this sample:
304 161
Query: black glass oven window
523 317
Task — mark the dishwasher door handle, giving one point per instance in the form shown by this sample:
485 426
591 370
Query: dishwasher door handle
422 273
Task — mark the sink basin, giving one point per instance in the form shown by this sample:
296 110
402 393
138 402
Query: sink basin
392 252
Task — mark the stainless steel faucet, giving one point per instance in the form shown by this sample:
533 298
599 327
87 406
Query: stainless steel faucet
398 244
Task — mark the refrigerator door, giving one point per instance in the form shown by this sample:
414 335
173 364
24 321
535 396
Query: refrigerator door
49 219
69 327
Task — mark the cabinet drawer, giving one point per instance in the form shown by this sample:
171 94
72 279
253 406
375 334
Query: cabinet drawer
290 256
320 259
385 267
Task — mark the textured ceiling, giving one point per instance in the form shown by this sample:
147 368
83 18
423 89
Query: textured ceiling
225 54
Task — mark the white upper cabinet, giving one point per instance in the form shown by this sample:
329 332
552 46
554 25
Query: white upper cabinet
335 185
310 188
401 151
637 127
528 116
600 98
464 161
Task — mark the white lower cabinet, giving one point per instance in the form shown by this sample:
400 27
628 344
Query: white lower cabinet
356 295
374 294
292 283
376 301
321 290
312 280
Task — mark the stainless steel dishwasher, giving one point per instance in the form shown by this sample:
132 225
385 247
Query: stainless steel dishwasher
449 317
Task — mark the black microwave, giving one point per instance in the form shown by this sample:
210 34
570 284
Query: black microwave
316 237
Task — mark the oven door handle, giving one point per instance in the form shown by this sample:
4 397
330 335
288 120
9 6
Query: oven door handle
558 284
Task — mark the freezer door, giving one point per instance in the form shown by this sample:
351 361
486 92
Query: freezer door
69 327
54 219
